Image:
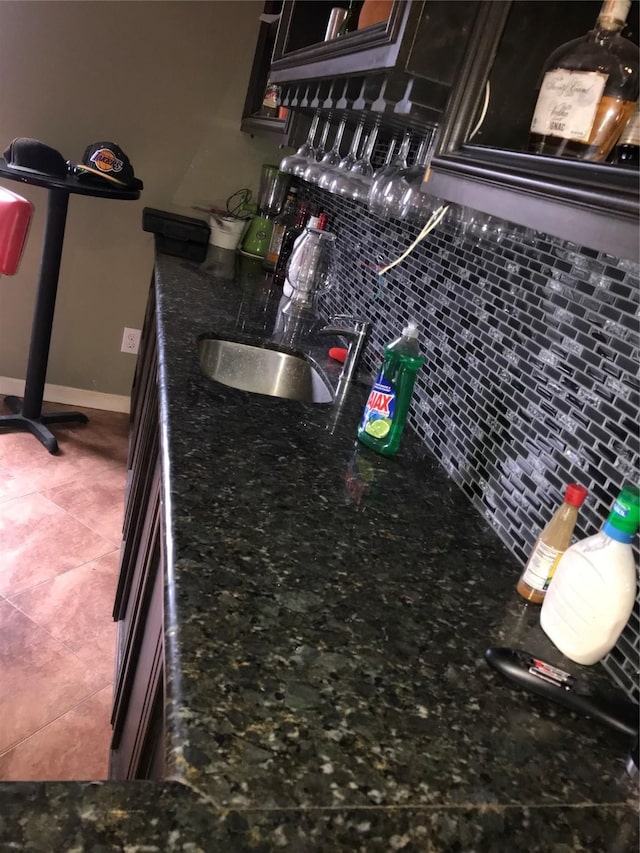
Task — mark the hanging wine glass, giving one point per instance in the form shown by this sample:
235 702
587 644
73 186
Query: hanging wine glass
475 226
484 227
382 177
328 180
315 171
416 204
314 155
376 199
318 153
397 186
357 182
302 155
387 166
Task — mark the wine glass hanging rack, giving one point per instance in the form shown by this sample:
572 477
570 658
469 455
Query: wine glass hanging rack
395 102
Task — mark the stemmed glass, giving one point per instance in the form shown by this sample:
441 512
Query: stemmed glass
381 178
357 181
416 204
398 184
304 154
474 225
318 154
327 180
315 171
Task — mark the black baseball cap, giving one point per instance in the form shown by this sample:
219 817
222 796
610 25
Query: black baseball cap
106 161
30 155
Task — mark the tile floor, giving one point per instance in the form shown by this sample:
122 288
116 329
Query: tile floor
60 532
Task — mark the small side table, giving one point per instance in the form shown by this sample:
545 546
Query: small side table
27 414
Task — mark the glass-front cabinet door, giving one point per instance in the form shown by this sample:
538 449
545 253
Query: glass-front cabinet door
496 169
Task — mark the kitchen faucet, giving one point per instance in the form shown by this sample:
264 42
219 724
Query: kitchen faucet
356 331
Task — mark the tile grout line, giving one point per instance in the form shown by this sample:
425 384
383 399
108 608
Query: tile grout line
23 740
113 546
8 595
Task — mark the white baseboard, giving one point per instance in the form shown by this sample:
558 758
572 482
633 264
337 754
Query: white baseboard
70 396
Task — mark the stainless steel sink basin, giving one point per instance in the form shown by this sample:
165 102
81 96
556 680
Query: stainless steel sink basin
262 370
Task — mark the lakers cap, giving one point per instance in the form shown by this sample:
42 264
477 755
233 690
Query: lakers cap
107 161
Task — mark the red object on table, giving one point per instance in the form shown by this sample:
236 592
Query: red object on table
15 218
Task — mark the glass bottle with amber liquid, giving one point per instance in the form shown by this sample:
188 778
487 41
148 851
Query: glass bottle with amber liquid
588 91
550 545
627 151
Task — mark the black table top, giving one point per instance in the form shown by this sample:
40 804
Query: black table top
70 183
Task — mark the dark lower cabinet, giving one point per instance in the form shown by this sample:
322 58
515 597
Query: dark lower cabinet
137 747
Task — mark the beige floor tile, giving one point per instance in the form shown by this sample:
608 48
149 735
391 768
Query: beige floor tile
39 540
59 558
76 607
98 502
41 679
85 450
73 747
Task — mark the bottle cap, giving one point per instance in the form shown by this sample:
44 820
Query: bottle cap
575 494
410 330
613 12
625 514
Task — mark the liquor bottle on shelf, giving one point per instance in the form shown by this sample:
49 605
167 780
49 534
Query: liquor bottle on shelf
270 101
588 91
627 151
289 238
350 23
285 219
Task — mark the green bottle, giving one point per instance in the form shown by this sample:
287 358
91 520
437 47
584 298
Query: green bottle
385 412
350 22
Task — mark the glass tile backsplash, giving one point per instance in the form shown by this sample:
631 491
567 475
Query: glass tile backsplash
530 380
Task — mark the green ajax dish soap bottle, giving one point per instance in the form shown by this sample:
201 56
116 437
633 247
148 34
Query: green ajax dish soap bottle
385 412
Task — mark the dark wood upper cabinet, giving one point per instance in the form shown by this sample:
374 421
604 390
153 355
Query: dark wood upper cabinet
300 42
402 69
428 66
290 130
591 204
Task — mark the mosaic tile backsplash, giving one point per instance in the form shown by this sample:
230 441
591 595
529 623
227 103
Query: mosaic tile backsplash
530 380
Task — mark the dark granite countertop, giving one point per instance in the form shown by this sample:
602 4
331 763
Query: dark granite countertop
327 611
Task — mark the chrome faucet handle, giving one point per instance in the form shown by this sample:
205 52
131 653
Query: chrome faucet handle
350 319
346 324
356 331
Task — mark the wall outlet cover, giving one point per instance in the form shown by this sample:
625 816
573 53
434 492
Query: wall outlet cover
130 340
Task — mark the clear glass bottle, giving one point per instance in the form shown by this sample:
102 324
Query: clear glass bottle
310 272
281 222
588 91
550 546
350 22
